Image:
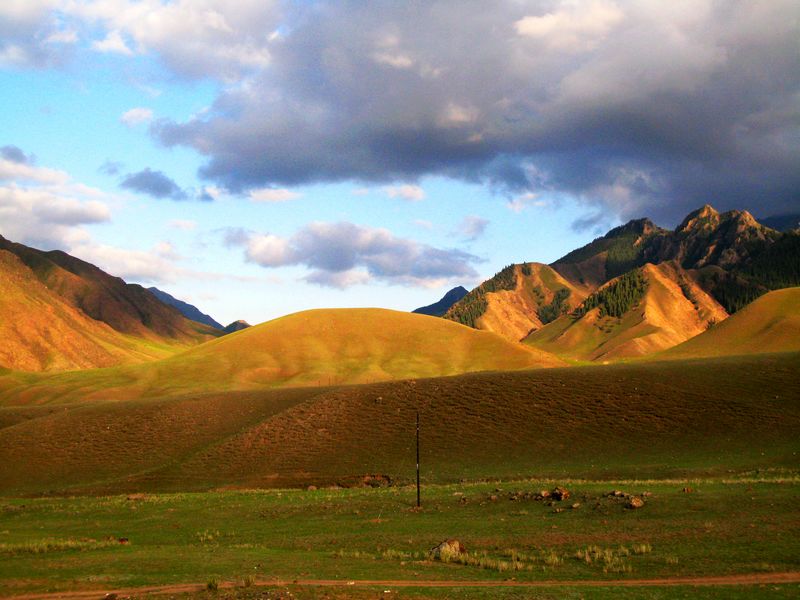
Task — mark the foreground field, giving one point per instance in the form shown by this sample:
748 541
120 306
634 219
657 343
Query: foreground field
748 525
670 419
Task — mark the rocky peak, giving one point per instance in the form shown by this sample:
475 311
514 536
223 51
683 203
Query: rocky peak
705 218
637 226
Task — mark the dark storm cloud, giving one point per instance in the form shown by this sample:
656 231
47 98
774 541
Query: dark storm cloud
344 254
155 184
643 108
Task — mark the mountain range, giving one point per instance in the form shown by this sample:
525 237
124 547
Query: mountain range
638 289
634 292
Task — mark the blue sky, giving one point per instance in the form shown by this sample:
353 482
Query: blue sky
258 158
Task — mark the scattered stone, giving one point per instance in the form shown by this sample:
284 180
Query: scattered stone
576 505
560 493
617 494
646 494
558 510
463 500
447 548
123 540
635 502
312 488
110 596
687 490
493 498
544 494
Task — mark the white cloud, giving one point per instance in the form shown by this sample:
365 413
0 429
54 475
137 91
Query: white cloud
472 227
183 224
113 43
342 254
45 217
525 200
272 195
269 250
137 116
24 171
66 36
413 193
132 265
574 26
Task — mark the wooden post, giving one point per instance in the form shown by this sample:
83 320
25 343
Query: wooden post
418 502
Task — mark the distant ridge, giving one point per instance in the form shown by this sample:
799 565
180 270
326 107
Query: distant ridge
236 326
437 309
187 310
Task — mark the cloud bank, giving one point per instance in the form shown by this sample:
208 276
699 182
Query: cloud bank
343 254
629 107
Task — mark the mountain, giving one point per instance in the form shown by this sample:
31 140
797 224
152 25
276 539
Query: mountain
641 312
59 313
770 323
236 326
437 309
518 300
310 348
719 261
187 310
783 223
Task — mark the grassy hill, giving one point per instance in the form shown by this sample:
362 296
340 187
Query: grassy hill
655 419
40 331
672 309
311 348
769 324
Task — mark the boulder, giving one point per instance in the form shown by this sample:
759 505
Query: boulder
560 493
635 502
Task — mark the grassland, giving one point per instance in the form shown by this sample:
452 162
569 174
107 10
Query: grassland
659 419
769 324
721 527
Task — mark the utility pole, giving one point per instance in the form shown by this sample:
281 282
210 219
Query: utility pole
418 503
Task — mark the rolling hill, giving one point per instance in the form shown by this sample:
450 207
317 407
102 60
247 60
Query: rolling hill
769 324
311 348
656 419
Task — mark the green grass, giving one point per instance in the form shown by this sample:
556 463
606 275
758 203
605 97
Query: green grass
722 527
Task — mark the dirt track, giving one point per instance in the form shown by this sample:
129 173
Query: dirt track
747 579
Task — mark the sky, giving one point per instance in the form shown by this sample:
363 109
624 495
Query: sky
260 157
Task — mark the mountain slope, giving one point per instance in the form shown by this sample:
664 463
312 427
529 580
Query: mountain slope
40 331
438 309
187 310
516 300
236 326
127 308
669 309
316 347
769 324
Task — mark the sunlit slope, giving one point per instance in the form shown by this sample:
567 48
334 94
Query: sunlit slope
674 309
514 313
649 419
316 347
769 324
42 332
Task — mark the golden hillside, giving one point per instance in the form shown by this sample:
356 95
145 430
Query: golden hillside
769 324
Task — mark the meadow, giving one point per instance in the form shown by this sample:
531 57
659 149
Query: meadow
240 540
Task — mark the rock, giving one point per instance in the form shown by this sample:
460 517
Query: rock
576 505
635 502
493 498
447 549
544 494
560 493
558 510
312 488
617 494
687 490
